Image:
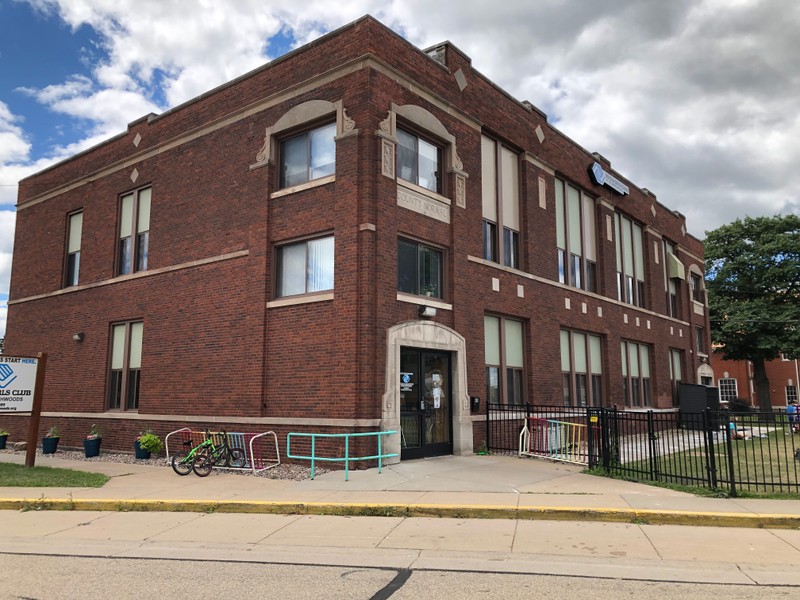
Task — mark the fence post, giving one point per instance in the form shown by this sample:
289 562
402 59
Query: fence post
604 427
488 428
711 458
729 447
591 445
651 440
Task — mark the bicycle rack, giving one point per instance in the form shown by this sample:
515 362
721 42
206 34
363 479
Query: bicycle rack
255 446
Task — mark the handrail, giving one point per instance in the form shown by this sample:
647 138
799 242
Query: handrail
347 458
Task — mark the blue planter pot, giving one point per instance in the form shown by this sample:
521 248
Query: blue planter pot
3 439
49 445
92 447
140 454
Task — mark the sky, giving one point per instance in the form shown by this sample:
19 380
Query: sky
696 100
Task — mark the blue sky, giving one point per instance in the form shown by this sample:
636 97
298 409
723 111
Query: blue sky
694 99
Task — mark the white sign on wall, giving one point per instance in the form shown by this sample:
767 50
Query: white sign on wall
17 382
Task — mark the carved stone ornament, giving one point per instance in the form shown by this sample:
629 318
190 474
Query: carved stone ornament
386 124
263 154
461 192
348 124
457 164
387 158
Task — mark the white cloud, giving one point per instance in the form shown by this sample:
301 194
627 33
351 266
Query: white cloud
3 317
13 144
7 219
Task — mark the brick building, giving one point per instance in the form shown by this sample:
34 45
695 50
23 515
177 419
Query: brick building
358 236
735 379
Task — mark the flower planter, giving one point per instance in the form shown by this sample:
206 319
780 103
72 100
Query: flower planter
140 454
3 440
49 445
92 447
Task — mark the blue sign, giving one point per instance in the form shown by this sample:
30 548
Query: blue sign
602 178
6 376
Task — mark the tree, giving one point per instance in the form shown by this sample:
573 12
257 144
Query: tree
753 282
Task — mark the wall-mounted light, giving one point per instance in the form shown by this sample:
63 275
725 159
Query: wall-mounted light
77 337
427 311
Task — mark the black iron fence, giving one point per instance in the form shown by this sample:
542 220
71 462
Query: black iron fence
752 451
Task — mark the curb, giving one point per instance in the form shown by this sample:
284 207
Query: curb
528 513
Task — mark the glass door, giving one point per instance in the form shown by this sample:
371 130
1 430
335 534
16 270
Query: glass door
425 397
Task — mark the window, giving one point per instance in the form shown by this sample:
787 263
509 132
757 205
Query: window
630 261
501 209
697 288
419 269
308 156
305 267
700 339
728 389
673 273
419 161
675 374
636 374
576 237
134 232
791 393
503 346
126 366
73 263
582 369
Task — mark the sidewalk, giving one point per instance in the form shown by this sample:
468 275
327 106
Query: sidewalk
452 486
479 514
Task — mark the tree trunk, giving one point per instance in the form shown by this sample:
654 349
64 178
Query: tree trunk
762 385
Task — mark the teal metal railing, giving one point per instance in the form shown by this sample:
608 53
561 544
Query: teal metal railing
347 459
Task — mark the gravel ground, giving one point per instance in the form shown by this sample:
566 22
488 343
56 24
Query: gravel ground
293 472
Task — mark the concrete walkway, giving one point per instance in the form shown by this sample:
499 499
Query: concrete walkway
529 517
451 486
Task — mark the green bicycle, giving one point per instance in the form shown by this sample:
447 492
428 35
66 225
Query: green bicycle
223 455
183 461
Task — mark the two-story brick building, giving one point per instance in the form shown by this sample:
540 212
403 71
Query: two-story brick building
357 236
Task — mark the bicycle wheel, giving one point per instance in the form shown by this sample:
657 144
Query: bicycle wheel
202 465
179 463
237 458
221 458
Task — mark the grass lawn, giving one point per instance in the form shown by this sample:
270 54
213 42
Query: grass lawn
13 475
762 466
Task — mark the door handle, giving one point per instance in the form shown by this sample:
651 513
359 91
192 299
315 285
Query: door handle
422 404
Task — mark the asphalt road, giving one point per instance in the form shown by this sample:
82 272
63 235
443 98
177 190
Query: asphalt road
42 577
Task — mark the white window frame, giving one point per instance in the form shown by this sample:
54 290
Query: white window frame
73 247
593 372
576 236
308 135
629 242
133 231
724 385
507 334
279 266
124 358
502 215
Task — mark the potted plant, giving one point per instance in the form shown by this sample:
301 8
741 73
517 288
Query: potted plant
3 438
91 445
147 443
50 440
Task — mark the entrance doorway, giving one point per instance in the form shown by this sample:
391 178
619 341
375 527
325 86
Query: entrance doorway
426 426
